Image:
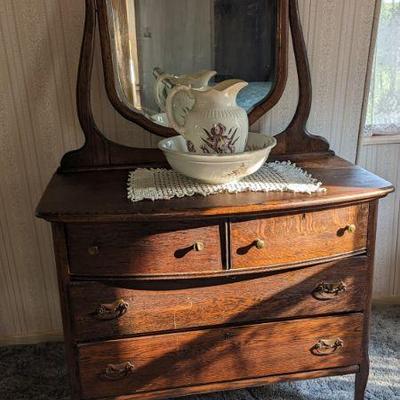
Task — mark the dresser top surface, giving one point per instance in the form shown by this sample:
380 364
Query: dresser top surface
102 196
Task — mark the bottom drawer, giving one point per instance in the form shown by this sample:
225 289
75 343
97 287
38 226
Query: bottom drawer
216 355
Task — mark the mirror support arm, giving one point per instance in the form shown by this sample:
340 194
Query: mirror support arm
100 153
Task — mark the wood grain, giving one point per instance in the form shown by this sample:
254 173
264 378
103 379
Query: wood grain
61 255
145 249
102 196
296 238
152 308
217 355
37 130
244 383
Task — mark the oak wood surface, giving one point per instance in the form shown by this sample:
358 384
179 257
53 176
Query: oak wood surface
145 249
102 196
363 374
61 256
151 308
216 355
239 384
296 238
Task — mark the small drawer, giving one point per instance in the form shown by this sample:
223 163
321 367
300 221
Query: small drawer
176 360
142 249
299 238
117 309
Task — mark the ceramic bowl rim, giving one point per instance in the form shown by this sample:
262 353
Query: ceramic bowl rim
218 157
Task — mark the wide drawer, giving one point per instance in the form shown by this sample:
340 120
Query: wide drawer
142 249
116 309
299 238
217 355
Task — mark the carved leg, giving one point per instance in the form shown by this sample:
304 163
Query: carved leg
361 381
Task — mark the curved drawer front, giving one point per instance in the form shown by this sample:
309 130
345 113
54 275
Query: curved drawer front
300 237
192 358
119 309
142 249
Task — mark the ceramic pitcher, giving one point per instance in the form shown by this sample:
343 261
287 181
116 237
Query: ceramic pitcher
166 82
215 124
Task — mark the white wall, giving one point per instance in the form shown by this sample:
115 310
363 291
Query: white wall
384 160
39 50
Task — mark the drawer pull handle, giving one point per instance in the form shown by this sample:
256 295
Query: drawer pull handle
93 250
327 291
260 244
115 372
198 246
111 311
324 347
351 228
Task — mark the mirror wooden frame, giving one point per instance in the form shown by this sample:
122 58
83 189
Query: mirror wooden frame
99 152
115 99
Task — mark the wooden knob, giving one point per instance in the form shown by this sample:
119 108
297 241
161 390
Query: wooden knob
351 228
260 244
198 246
93 250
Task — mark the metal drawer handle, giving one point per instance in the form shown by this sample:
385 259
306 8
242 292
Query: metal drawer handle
198 246
111 311
115 372
327 291
324 347
259 243
351 228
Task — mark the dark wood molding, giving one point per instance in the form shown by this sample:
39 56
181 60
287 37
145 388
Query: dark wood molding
99 153
141 120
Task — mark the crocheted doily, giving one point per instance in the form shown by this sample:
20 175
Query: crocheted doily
163 184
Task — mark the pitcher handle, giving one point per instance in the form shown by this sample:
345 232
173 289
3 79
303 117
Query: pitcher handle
170 107
159 88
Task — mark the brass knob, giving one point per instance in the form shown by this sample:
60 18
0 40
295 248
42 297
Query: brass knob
198 246
351 228
260 244
93 250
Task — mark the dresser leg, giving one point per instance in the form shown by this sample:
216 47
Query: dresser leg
361 381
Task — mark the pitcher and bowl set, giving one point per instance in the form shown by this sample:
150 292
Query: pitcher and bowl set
214 145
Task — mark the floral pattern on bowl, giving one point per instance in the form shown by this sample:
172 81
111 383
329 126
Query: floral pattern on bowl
217 168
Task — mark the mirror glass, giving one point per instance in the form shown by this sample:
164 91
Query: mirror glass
157 44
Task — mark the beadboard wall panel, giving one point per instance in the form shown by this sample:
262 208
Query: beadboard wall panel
383 160
39 51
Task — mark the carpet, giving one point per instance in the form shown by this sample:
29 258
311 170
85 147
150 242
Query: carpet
38 372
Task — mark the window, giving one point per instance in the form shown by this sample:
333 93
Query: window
383 112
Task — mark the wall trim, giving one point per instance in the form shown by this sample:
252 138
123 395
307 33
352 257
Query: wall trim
368 76
36 338
386 300
380 139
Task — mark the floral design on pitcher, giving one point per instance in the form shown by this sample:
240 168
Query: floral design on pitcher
190 146
218 140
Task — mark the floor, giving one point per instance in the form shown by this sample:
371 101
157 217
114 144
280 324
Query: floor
38 372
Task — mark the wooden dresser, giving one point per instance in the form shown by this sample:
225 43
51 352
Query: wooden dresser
168 298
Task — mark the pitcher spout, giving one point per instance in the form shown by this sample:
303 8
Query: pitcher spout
230 88
201 78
